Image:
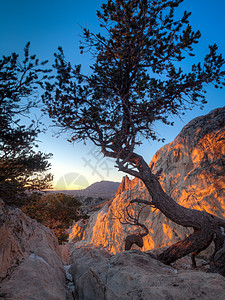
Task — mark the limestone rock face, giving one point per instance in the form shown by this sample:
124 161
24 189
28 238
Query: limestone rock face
125 185
78 230
133 275
30 262
194 164
193 174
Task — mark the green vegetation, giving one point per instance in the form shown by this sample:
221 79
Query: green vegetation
137 80
21 168
56 211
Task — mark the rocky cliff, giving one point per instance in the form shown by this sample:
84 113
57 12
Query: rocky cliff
193 173
31 266
34 267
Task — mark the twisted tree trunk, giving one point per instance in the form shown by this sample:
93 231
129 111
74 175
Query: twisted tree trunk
207 227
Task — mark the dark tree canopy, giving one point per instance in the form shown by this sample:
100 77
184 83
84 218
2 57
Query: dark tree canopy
21 168
138 79
57 211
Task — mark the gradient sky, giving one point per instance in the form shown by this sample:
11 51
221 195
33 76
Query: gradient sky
49 24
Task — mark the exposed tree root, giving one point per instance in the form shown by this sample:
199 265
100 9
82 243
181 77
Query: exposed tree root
194 243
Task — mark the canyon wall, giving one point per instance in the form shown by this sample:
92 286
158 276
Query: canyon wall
193 173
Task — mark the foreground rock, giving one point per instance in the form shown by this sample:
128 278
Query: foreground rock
133 275
30 263
193 174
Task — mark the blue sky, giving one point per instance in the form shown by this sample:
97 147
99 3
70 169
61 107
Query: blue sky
49 24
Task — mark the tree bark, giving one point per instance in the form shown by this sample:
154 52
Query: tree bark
217 264
207 227
194 243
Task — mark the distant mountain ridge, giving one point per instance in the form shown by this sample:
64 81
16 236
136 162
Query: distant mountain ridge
103 189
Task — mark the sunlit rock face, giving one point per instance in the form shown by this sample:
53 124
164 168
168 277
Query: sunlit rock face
193 174
125 185
30 260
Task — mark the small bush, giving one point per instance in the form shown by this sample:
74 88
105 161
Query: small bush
56 211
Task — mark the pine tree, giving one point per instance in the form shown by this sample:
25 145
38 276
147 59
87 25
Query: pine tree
137 79
21 168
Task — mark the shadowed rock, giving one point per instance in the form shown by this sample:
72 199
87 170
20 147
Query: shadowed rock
137 275
30 263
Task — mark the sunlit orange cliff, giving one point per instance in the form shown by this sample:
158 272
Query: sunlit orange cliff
193 174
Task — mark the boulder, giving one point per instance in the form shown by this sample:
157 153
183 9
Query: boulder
133 275
30 263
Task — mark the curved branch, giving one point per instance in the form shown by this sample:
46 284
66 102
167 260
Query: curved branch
195 242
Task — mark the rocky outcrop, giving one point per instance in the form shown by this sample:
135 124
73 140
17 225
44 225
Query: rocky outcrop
133 275
78 230
30 263
193 173
194 164
125 185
